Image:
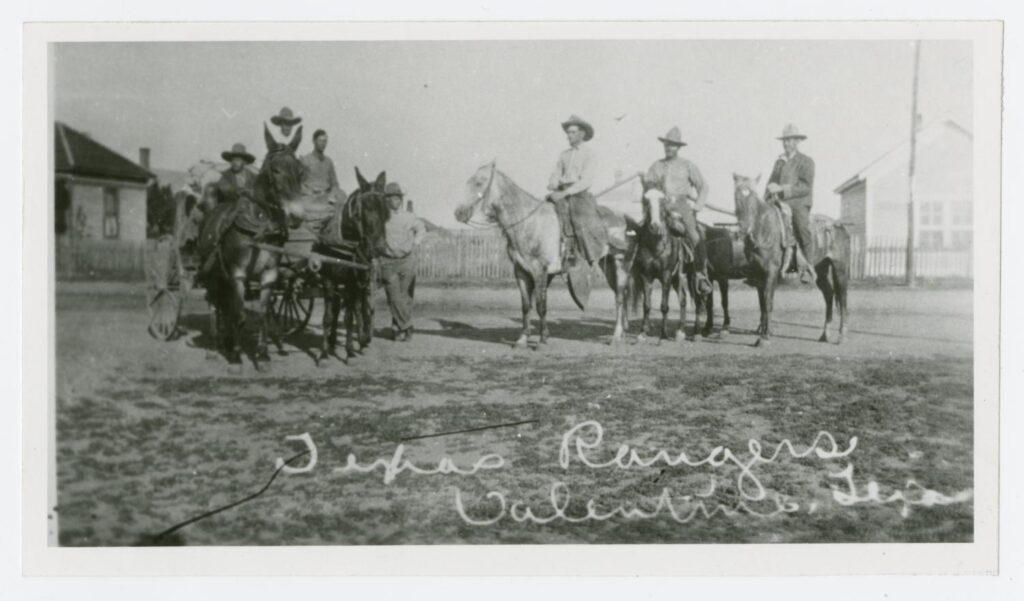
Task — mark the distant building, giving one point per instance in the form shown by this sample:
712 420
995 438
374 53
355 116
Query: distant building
873 201
99 193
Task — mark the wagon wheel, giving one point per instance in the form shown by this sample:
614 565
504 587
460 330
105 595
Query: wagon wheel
164 297
291 306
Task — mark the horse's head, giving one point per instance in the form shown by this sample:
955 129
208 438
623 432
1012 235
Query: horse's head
366 213
280 180
654 202
478 194
746 199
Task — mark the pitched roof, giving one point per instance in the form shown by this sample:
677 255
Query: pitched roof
903 146
78 154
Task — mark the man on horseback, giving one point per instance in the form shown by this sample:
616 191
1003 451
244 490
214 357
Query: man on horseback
792 181
681 182
569 185
281 131
237 179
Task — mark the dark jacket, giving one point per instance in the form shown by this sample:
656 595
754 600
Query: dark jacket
796 176
231 185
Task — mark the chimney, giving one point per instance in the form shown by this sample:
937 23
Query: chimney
144 158
408 206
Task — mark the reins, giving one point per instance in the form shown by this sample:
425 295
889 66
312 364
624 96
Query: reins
481 196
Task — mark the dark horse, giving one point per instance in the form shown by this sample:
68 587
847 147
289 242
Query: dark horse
765 249
533 233
727 260
230 229
658 255
360 223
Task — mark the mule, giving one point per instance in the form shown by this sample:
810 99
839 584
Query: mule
360 221
658 256
261 217
765 250
534 237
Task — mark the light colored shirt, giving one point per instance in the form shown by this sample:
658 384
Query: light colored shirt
402 233
320 177
679 179
575 169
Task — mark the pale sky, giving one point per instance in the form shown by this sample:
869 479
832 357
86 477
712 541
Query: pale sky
430 113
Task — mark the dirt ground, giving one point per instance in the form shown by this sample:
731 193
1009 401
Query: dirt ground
152 433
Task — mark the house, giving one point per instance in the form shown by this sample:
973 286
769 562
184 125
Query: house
873 201
100 194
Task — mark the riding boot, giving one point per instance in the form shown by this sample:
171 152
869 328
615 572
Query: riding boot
807 274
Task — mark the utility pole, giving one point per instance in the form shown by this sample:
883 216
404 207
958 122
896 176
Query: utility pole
911 280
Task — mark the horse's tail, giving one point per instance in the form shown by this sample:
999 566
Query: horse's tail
634 292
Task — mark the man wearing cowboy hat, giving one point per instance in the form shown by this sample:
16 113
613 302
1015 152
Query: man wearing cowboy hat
569 187
281 132
681 182
403 232
237 179
792 181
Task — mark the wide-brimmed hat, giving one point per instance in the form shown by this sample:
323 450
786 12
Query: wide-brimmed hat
792 131
588 129
237 150
285 117
673 137
393 189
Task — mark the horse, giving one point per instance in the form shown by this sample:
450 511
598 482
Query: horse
232 228
765 250
658 255
727 260
533 233
360 220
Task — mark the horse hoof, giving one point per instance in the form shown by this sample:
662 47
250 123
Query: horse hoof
723 333
521 343
762 343
212 356
823 337
707 332
262 367
235 369
680 336
640 338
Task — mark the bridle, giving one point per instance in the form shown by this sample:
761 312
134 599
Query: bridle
484 194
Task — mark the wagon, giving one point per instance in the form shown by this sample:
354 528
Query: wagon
172 267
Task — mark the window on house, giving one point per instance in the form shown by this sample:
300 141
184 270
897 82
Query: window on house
931 214
962 214
930 240
111 213
962 239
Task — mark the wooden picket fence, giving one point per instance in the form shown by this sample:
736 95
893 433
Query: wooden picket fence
473 256
888 259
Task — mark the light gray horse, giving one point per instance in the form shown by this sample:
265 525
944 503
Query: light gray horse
532 230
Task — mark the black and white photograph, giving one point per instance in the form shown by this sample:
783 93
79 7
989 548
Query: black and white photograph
504 291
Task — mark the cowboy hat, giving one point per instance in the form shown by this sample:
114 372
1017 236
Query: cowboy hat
673 137
285 117
393 189
791 131
588 130
237 150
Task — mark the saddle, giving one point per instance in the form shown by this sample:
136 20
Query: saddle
245 214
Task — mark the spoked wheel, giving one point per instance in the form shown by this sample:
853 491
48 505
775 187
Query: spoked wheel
291 306
167 287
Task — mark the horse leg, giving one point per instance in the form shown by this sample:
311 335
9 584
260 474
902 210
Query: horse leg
542 304
267 280
666 290
235 326
769 302
680 286
214 332
709 313
645 323
351 305
723 288
761 304
841 281
525 283
330 324
618 280
822 271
